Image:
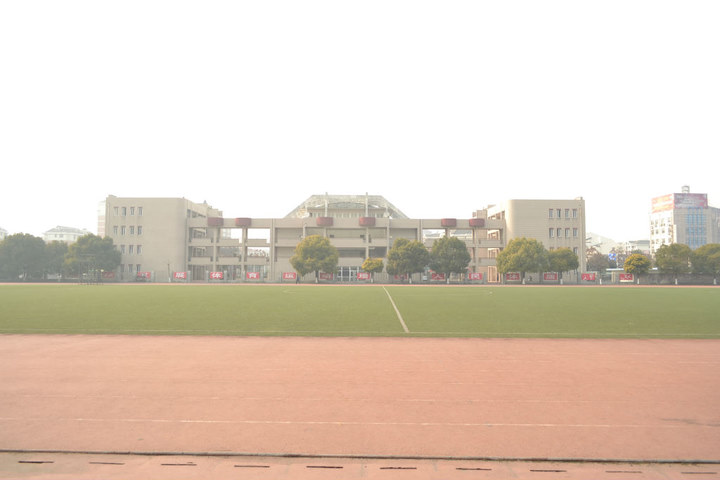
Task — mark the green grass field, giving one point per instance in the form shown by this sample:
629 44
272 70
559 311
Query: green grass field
599 312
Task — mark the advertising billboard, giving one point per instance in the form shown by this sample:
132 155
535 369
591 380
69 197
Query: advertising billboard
679 200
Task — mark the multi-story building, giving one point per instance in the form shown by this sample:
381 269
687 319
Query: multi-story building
169 236
3 234
683 218
64 234
154 234
555 223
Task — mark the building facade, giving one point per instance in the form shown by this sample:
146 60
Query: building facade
555 223
64 234
177 239
683 218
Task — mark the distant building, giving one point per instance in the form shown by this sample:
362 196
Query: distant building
64 234
3 234
683 218
165 236
555 223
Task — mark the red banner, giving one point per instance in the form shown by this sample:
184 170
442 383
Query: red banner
108 275
550 276
363 276
512 277
180 275
475 276
627 277
325 276
252 275
588 277
289 276
217 275
144 275
437 276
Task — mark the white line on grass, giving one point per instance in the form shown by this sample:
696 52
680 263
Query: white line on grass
397 312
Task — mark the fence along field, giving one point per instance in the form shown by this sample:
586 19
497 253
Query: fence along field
549 312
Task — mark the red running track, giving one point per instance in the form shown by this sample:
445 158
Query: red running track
506 398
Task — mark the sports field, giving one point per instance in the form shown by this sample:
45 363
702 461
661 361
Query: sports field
370 310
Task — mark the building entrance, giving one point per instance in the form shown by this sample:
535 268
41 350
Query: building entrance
347 274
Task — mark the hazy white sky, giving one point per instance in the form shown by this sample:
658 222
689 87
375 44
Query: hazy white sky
442 107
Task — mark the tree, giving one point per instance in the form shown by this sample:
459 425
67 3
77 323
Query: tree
706 259
92 252
563 260
55 253
637 263
22 256
596 261
449 255
673 259
407 257
372 266
522 255
315 254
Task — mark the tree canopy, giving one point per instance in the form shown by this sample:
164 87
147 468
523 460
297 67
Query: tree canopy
373 265
597 262
563 260
449 255
706 259
523 255
22 256
407 257
673 259
637 263
315 253
92 252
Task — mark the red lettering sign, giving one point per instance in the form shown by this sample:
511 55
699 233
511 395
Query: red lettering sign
437 276
627 277
325 276
143 275
512 277
588 277
550 276
252 275
289 275
475 276
363 275
180 275
217 275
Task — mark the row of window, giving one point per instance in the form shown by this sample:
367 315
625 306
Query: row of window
558 232
557 212
123 211
131 268
131 249
127 230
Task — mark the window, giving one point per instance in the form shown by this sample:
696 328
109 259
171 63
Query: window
139 211
551 231
115 230
130 249
559 232
122 230
550 213
567 233
574 213
139 229
575 232
567 213
132 210
138 268
132 230
122 249
139 249
123 211
558 213
116 211
130 268
575 250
